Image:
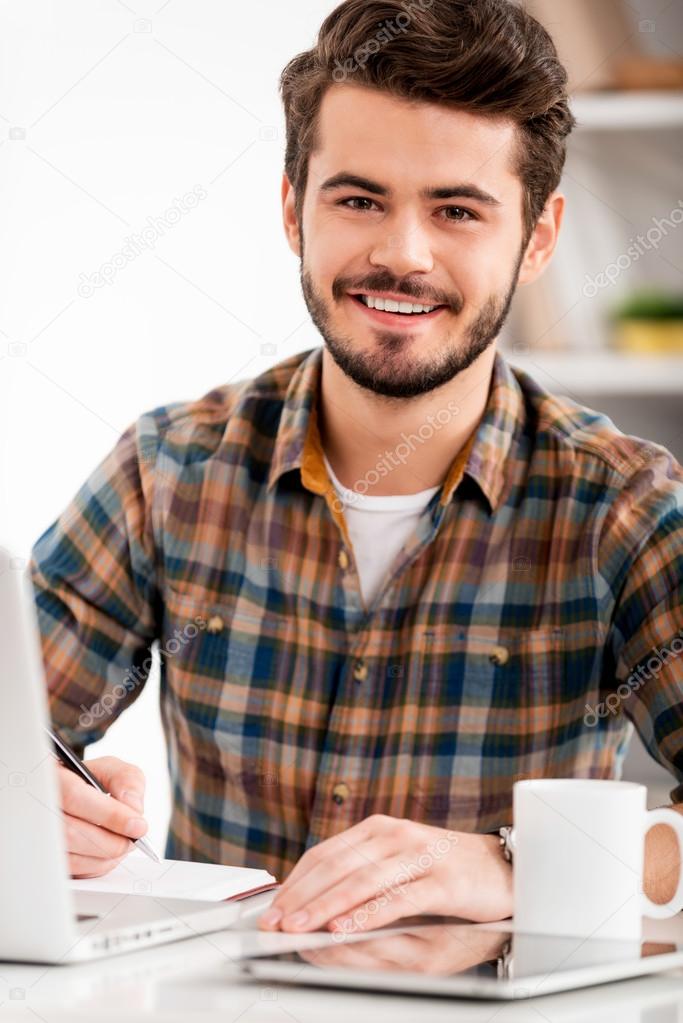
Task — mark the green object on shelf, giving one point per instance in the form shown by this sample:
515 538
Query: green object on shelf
650 305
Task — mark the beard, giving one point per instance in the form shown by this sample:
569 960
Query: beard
385 370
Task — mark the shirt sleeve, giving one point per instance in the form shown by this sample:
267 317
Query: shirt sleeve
94 581
645 552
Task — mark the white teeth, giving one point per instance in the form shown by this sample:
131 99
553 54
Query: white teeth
389 305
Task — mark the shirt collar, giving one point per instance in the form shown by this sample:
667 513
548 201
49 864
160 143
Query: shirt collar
483 458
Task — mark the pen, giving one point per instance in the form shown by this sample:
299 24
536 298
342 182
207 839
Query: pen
75 764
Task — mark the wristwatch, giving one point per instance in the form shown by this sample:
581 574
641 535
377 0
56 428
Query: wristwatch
507 842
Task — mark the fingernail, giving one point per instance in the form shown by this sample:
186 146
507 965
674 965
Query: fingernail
133 799
296 919
135 827
271 917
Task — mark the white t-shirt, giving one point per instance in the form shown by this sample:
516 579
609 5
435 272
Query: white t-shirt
378 527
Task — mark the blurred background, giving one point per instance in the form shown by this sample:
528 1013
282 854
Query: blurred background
161 121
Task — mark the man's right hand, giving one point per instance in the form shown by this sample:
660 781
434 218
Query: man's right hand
101 829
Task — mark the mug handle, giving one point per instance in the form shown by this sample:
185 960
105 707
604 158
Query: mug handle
674 820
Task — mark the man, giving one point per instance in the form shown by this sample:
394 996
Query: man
391 576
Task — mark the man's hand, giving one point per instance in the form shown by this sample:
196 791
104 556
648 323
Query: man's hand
100 828
385 868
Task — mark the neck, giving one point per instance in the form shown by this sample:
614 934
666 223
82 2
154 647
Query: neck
399 446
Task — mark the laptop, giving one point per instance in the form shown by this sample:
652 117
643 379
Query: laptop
41 918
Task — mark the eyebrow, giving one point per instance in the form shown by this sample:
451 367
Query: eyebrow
461 191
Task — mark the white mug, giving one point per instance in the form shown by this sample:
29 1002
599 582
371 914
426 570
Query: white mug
578 857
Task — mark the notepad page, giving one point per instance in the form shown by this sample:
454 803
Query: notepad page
137 874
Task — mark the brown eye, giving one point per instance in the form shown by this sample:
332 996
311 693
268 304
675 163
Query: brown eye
459 209
354 198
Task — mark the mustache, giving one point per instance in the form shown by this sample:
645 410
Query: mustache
412 290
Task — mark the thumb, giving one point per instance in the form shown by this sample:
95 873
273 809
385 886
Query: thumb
124 781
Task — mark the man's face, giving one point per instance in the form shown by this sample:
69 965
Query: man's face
460 252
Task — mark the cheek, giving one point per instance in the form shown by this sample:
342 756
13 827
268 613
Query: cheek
335 240
481 274
327 257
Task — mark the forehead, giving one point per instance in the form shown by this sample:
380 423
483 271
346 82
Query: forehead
408 144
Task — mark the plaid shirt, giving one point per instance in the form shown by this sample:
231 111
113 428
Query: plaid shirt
534 617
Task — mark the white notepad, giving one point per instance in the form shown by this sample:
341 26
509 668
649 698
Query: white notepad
177 879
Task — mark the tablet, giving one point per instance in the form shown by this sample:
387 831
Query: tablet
463 960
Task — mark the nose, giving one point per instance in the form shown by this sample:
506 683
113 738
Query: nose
403 247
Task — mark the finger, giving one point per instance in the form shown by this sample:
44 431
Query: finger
330 871
381 911
126 782
371 827
330 846
86 839
339 898
82 800
81 867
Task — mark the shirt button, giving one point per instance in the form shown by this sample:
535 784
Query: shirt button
343 559
340 792
499 655
215 624
360 671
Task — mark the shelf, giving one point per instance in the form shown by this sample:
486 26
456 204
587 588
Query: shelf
581 373
617 111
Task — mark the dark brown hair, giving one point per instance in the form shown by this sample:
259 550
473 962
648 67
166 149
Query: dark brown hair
487 57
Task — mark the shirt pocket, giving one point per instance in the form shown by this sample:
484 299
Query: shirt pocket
222 662
511 690
497 705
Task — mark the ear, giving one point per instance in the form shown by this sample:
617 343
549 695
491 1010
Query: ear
289 216
542 243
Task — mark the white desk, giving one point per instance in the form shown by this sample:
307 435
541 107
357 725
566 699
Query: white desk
197 980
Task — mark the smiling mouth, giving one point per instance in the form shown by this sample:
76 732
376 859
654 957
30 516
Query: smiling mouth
390 311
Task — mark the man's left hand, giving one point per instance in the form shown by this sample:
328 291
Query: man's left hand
385 868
